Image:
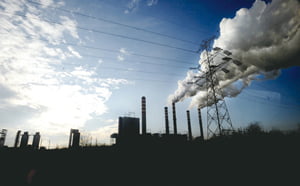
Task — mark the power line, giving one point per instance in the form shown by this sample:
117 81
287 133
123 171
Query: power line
136 61
129 70
266 101
120 69
111 34
116 23
187 27
34 37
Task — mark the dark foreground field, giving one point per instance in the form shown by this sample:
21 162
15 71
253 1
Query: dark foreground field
236 160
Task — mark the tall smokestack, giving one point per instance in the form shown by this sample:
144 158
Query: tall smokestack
17 139
200 124
167 121
144 129
189 125
174 118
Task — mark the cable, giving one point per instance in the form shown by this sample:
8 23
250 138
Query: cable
112 34
34 37
116 23
128 70
118 69
137 61
264 101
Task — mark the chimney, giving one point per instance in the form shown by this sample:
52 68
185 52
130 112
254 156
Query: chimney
24 140
17 139
200 124
167 121
74 138
2 137
174 118
189 125
70 137
144 129
36 141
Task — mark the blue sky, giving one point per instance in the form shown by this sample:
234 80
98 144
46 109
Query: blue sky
75 64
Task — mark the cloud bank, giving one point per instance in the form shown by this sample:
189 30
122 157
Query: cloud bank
39 90
264 38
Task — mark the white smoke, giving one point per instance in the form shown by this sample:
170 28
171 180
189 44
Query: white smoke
264 38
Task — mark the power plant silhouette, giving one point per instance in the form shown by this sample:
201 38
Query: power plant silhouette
143 158
129 128
128 131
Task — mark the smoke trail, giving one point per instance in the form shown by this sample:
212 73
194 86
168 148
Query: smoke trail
264 38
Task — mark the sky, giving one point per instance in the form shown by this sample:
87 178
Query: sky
74 64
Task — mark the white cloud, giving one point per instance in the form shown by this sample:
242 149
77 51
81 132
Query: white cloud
132 6
111 121
152 2
75 53
265 38
100 61
124 51
122 54
120 58
31 72
103 134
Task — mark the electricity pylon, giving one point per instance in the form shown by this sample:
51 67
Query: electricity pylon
218 119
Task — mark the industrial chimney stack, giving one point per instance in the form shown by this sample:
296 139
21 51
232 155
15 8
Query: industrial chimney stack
174 118
189 125
144 129
167 121
200 124
17 139
24 140
36 141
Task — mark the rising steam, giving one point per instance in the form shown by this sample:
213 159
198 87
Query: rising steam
264 38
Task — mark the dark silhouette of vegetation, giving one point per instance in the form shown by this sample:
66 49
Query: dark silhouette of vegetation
249 156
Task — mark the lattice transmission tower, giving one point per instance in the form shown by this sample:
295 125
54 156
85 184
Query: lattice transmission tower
218 118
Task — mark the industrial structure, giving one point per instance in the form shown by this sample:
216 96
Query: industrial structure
144 126
2 137
36 140
167 121
174 118
17 140
189 125
128 130
200 124
74 138
24 140
218 119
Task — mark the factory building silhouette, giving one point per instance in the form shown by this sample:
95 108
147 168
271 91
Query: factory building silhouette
74 138
129 128
129 131
2 137
21 140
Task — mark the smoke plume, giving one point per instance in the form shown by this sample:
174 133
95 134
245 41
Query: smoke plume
257 43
